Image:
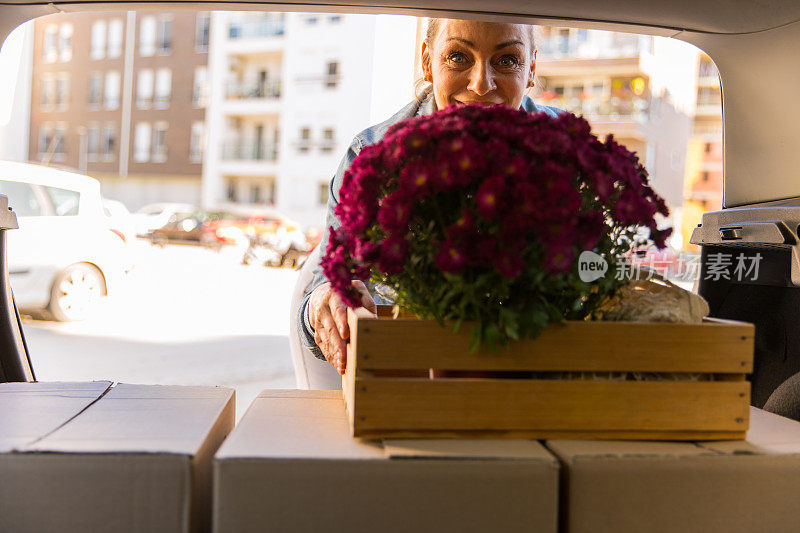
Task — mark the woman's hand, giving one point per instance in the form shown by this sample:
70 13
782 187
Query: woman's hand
327 314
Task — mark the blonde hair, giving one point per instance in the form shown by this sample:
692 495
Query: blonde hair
422 88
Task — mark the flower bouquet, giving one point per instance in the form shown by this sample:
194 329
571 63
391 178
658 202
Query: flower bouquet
480 214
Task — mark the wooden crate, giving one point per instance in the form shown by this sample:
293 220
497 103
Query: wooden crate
390 394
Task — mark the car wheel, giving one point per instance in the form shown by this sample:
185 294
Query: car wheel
75 291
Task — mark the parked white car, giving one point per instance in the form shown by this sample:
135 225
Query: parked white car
155 216
64 256
120 219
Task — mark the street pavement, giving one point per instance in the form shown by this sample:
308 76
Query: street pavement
185 316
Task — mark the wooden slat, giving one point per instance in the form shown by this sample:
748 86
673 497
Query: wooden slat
543 434
485 404
712 347
349 378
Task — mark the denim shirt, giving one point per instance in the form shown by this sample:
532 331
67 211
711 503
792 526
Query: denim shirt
371 135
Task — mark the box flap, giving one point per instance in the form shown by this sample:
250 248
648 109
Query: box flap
570 450
294 425
485 449
769 433
29 411
142 419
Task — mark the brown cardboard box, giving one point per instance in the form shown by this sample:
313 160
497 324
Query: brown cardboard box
95 457
291 465
750 485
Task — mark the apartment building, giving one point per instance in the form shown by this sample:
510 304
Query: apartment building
288 93
637 87
121 97
703 184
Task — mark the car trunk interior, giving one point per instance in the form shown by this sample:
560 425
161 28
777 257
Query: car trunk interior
749 44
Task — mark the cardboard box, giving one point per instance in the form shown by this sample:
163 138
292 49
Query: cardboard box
735 486
95 457
291 465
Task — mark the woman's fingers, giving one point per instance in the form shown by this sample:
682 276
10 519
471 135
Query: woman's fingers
328 316
366 299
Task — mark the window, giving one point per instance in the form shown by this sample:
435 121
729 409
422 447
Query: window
160 142
62 92
115 38
202 32
144 89
200 87
196 141
111 93
305 138
65 202
708 147
328 140
147 36
141 142
49 44
65 42
333 74
47 96
45 137
60 141
98 46
21 198
95 90
163 87
109 145
164 35
705 176
333 19
230 190
92 142
255 194
310 19
324 190
52 142
709 96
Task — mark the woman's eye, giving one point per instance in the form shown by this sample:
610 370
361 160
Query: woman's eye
457 57
507 61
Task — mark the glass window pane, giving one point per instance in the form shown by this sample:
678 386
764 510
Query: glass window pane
98 50
65 202
21 198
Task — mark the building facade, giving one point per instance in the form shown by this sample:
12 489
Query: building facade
121 97
288 93
703 184
637 87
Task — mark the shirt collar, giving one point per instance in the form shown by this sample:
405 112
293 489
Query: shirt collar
428 105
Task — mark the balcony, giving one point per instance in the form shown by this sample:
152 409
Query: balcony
253 90
241 151
270 27
708 108
249 159
604 109
569 47
711 81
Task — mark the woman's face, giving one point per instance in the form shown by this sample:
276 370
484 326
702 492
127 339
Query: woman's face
479 62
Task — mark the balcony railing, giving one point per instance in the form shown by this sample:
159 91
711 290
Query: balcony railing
615 109
240 151
256 28
239 90
564 47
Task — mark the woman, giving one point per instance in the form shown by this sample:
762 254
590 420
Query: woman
465 62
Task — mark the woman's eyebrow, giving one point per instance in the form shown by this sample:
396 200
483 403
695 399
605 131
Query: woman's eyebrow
508 43
498 47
